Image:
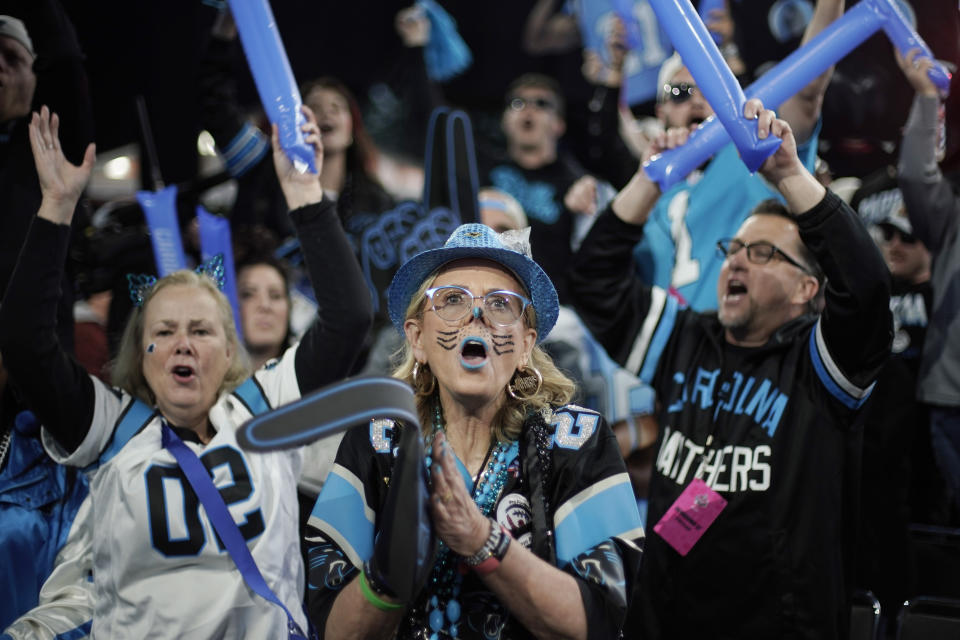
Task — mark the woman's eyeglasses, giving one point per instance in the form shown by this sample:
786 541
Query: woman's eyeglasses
453 303
757 252
679 93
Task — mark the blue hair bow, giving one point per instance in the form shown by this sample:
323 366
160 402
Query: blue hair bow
141 284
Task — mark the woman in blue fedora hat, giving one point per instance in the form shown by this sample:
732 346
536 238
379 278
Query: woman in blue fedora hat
528 495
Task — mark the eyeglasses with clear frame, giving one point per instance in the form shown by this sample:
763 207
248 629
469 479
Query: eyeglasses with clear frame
452 303
760 252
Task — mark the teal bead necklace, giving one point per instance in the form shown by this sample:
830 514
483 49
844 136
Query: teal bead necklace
448 570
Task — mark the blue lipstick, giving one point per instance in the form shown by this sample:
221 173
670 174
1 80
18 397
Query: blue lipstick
473 339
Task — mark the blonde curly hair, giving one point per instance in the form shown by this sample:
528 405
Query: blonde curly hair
557 389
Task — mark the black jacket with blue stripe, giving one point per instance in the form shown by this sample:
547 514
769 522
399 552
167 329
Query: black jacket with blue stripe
769 428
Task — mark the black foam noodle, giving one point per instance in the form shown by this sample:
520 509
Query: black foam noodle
328 411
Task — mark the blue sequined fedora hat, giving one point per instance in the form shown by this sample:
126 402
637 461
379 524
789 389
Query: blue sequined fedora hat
510 249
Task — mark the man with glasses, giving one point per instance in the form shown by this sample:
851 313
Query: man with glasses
677 252
751 502
557 196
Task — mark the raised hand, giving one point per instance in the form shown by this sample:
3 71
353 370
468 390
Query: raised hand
299 188
61 182
783 169
668 139
581 197
916 68
784 161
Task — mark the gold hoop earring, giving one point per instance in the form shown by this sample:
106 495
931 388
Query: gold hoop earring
524 384
416 382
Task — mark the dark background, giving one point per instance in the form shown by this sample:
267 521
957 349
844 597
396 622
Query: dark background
151 48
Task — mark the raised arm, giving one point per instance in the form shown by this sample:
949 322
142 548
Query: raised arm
932 204
331 345
803 110
56 388
852 340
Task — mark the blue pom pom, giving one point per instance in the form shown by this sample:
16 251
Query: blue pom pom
453 613
446 54
436 620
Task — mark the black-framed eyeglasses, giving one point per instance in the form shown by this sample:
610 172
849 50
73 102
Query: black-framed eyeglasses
453 303
888 231
679 92
760 252
543 104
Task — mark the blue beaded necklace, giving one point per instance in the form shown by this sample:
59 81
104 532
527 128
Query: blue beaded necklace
448 570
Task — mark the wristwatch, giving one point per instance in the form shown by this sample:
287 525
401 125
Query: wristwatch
493 550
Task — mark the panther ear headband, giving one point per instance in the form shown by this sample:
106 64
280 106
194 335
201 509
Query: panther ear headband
141 284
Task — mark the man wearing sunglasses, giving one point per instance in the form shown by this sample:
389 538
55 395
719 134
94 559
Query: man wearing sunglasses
677 252
932 199
899 480
751 501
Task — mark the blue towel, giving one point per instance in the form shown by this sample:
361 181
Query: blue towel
446 54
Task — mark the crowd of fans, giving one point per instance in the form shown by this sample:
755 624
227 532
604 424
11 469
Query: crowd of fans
714 410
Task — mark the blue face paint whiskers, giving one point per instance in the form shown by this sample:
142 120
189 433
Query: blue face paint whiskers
447 339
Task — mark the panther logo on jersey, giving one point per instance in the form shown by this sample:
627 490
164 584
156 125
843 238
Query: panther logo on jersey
515 514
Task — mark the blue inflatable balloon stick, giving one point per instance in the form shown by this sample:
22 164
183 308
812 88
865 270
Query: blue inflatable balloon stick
714 78
160 209
904 38
274 78
795 72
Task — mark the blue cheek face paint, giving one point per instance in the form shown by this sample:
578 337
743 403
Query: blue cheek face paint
151 348
486 349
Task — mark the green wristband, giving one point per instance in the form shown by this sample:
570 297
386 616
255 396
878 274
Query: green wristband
374 599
